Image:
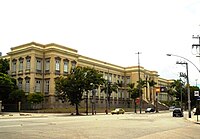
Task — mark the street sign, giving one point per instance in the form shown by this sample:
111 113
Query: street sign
198 98
196 93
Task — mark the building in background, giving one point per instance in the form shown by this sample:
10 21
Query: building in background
36 66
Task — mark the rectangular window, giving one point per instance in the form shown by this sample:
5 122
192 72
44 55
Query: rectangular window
122 94
21 65
73 65
14 66
110 77
28 64
27 85
123 79
106 76
57 65
37 86
20 84
46 89
127 79
114 78
38 64
65 66
47 64
119 79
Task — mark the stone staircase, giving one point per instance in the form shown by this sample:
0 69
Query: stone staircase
161 106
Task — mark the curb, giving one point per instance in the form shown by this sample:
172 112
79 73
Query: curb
20 115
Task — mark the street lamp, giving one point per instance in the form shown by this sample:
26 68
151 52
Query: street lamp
186 60
188 87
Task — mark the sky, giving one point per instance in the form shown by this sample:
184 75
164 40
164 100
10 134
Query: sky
110 30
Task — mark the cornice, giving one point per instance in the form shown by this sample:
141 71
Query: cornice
61 46
27 44
99 63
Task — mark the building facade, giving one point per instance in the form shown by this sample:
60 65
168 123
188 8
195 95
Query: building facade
36 66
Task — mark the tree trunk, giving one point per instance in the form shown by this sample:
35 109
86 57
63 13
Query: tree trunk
135 105
151 94
77 112
109 101
86 103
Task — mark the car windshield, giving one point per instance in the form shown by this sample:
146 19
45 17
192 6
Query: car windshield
177 110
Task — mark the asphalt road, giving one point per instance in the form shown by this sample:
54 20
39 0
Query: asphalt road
127 126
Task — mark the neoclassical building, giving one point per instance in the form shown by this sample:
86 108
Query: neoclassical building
36 66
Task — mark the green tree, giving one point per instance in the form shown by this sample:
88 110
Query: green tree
71 88
8 89
134 94
7 85
140 85
35 98
152 84
93 79
178 86
178 90
80 80
108 88
4 66
16 96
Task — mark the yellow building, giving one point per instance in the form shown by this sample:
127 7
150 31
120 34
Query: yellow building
35 66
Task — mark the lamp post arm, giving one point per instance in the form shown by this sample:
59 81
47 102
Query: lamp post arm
186 60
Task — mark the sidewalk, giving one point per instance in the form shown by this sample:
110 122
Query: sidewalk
11 115
193 118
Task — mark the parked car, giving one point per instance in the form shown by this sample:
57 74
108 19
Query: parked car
177 112
149 110
171 109
118 111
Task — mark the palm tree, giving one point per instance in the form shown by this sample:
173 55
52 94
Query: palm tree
134 94
108 88
141 84
178 88
152 84
93 79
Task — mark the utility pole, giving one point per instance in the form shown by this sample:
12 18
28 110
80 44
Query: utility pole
184 76
139 82
188 87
